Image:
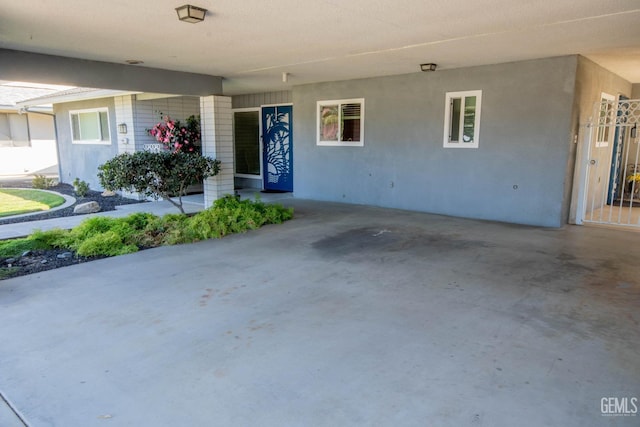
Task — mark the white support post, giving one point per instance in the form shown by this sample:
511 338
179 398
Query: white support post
124 114
217 142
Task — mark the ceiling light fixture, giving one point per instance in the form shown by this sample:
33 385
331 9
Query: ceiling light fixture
428 67
191 14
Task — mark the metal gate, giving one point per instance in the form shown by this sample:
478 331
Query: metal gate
613 171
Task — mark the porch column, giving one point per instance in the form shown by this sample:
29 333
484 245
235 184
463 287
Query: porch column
217 142
124 114
124 106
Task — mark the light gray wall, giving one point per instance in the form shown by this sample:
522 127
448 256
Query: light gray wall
82 160
525 137
39 68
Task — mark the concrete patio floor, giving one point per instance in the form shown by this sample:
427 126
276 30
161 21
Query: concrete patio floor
346 315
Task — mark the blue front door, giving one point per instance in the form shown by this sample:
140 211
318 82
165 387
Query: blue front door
277 138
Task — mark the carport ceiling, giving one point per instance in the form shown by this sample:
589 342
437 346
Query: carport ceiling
252 42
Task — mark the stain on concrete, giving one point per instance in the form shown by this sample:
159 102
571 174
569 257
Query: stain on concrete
361 241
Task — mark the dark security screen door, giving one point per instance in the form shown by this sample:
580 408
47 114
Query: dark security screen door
277 136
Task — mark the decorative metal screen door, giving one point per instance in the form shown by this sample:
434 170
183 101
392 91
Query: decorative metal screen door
277 137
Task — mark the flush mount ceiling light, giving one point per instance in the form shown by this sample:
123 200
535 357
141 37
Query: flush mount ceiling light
428 67
191 14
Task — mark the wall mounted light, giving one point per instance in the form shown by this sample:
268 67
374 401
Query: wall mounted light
191 14
122 128
428 67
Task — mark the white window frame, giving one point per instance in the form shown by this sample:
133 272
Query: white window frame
339 103
447 119
605 131
90 141
260 147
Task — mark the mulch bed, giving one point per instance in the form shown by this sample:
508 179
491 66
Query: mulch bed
41 260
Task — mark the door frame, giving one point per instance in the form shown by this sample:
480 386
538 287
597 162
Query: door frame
260 146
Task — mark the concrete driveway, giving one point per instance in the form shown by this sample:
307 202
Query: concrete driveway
344 316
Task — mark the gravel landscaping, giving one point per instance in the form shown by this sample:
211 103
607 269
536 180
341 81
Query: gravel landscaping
41 260
106 203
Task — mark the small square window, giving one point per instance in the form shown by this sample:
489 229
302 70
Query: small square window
605 119
90 126
462 119
341 123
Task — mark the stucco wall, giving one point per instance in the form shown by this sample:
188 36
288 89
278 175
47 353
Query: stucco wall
516 175
82 160
39 68
591 81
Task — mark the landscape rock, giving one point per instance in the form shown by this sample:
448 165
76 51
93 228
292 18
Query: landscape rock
9 261
86 208
107 193
26 253
64 255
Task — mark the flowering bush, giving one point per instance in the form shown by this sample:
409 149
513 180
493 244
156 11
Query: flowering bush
635 177
176 137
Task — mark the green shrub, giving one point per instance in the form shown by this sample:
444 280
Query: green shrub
41 182
175 230
109 243
106 236
164 174
55 238
81 188
15 247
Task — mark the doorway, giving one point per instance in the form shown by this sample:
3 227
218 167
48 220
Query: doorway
263 147
277 143
612 181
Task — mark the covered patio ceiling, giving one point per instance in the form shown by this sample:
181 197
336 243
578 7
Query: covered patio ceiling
251 43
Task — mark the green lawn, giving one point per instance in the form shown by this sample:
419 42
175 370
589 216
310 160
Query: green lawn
19 201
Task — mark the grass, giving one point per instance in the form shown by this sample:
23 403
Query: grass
20 201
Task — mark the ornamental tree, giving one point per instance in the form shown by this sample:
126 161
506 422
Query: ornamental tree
159 175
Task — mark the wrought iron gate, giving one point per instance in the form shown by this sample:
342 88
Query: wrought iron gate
613 171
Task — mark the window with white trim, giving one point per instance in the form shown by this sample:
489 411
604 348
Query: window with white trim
462 119
341 123
606 108
90 126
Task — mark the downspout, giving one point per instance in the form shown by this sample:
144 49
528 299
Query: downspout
55 135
